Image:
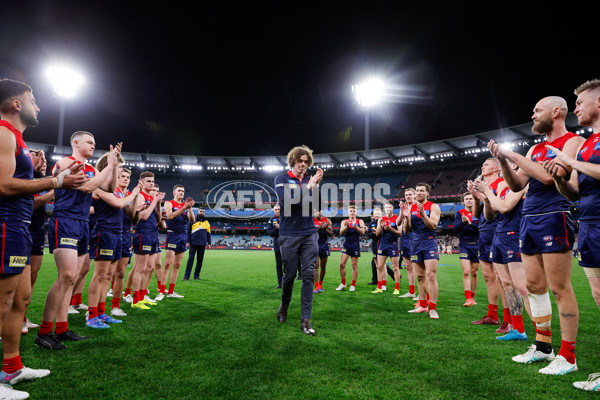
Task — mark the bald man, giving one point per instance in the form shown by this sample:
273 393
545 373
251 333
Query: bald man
547 234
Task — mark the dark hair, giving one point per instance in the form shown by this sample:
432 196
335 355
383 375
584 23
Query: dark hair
427 186
146 174
179 185
10 88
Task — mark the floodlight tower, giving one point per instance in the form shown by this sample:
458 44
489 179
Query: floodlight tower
65 84
368 94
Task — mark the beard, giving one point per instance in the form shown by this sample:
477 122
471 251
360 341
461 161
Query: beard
542 126
29 119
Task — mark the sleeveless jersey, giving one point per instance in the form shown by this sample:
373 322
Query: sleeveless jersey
352 235
108 218
512 219
467 232
148 225
18 208
73 203
323 235
545 198
419 229
388 237
179 223
589 188
484 224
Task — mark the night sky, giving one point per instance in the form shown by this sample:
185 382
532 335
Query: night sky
257 79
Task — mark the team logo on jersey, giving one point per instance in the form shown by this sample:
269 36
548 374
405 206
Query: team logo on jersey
17 261
69 242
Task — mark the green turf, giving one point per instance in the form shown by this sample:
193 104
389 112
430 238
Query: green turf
222 341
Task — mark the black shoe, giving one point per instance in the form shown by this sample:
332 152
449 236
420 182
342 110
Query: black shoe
282 312
306 328
278 286
49 341
197 278
185 279
372 283
70 335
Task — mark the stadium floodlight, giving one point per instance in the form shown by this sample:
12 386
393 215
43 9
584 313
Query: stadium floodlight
65 82
368 94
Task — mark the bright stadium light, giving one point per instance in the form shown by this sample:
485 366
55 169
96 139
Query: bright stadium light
368 94
65 82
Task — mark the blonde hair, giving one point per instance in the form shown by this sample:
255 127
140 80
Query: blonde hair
588 85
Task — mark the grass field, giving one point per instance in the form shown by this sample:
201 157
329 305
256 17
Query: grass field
222 341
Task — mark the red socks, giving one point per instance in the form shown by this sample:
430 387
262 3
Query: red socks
116 302
517 323
45 328
493 312
61 327
92 313
567 350
172 288
397 286
467 294
12 365
343 281
411 289
353 283
507 317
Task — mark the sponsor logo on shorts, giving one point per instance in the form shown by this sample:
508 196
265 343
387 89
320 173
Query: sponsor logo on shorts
106 252
17 261
146 248
463 255
69 242
172 246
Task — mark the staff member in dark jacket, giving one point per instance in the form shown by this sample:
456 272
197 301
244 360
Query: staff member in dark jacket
273 231
199 239
297 232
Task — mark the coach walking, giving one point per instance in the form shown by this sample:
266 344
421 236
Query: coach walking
297 232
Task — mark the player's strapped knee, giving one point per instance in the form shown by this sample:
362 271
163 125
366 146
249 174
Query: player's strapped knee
541 312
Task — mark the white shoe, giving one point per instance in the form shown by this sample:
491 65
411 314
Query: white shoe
433 314
174 295
110 293
24 329
8 393
148 299
405 295
416 297
24 374
419 310
532 355
560 366
128 298
341 287
81 306
352 288
31 325
159 297
72 310
383 288
117 312
592 384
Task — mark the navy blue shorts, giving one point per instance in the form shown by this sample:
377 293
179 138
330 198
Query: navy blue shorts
352 249
546 233
422 250
468 251
324 251
589 238
156 249
68 233
144 243
405 248
484 245
15 246
126 244
105 245
388 250
176 242
505 248
38 238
